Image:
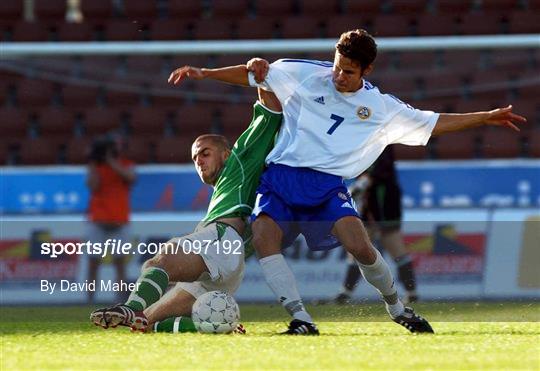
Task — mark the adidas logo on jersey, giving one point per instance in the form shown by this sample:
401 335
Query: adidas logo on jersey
319 100
347 205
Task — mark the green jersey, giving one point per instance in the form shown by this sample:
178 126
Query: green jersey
234 192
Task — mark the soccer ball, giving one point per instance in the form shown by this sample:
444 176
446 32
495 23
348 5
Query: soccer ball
215 312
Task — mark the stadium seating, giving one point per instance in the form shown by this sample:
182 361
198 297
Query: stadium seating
178 9
77 149
30 31
317 7
229 9
174 149
457 146
55 121
13 124
96 10
403 152
501 143
65 102
75 32
50 10
39 151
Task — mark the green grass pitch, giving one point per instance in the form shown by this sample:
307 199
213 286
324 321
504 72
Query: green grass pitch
468 336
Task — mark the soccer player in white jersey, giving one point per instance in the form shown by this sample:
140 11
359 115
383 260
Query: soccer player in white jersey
335 125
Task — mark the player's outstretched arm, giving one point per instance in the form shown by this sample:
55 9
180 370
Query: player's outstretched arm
237 75
449 122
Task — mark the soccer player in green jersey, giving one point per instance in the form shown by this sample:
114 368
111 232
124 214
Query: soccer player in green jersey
211 258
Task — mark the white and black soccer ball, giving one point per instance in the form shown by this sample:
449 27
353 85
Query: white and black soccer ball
215 312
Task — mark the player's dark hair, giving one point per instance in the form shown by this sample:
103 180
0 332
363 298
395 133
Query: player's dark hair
218 140
359 46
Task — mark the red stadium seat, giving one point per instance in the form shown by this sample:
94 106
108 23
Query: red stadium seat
360 8
40 151
121 30
138 149
122 98
50 10
236 116
413 61
174 150
460 145
75 96
480 24
30 31
93 10
459 61
213 29
272 8
56 122
403 152
75 32
32 93
11 11
446 85
336 25
165 96
533 141
499 6
13 123
169 29
436 25
139 66
524 22
409 6
148 121
100 121
229 9
501 143
185 9
392 25
4 153
140 10
195 119
454 6
100 68
319 7
260 28
77 150
301 27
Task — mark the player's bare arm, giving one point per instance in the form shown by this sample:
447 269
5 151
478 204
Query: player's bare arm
449 122
237 75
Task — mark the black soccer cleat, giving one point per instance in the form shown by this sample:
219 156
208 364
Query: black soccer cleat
413 322
298 327
119 315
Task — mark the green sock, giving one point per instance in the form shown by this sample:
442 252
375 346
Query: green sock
149 288
175 325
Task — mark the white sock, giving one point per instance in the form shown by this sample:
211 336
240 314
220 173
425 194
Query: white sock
378 274
282 282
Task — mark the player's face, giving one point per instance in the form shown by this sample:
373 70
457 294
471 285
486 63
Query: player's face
208 159
346 74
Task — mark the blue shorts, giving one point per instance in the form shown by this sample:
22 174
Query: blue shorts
302 200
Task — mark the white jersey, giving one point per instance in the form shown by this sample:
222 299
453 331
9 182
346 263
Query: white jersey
332 132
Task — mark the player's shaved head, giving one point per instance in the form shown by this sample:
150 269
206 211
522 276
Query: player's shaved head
218 140
209 153
359 46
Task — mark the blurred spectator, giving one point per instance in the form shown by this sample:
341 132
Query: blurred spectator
110 177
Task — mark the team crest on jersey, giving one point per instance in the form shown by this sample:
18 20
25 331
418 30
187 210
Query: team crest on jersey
343 196
363 113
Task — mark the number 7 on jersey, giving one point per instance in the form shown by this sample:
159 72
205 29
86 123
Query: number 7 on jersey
338 120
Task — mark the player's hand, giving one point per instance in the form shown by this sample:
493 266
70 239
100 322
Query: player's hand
504 117
185 72
259 67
